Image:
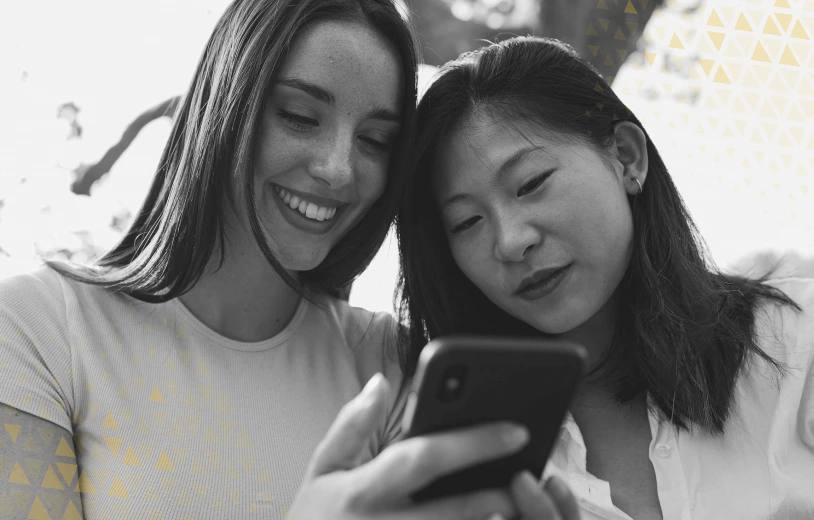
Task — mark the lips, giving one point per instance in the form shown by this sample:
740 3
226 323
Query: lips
539 279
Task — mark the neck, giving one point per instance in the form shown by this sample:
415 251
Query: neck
596 335
244 299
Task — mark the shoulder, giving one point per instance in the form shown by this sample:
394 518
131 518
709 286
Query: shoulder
38 292
360 327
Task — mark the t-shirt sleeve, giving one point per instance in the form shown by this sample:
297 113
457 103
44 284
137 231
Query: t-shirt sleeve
377 351
35 354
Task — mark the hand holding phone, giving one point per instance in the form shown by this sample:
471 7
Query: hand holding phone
465 381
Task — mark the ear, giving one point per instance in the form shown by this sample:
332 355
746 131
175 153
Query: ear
630 151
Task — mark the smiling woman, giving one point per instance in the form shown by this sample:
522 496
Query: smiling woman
203 368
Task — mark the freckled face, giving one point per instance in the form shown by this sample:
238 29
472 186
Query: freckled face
324 144
541 226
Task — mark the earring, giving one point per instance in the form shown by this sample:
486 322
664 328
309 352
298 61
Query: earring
641 189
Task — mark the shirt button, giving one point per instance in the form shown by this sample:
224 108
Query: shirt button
663 450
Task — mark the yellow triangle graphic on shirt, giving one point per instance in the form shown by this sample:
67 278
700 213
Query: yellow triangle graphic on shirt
113 444
155 395
130 458
164 462
721 77
84 484
38 511
67 471
13 431
64 449
675 42
71 513
117 489
17 475
629 9
110 422
51 480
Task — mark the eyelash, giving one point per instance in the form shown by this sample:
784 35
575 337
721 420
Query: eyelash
536 182
300 123
303 124
463 226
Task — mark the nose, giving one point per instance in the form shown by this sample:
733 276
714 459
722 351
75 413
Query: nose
332 162
514 239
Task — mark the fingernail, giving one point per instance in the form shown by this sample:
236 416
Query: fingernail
371 386
497 516
529 481
558 486
515 435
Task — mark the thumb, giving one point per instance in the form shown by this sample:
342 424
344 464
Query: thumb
351 430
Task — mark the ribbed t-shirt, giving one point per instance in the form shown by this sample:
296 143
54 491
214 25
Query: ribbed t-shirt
172 420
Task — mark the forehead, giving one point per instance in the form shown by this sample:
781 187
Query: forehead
347 58
481 144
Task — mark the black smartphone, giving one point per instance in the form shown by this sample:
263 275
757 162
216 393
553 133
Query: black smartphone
464 381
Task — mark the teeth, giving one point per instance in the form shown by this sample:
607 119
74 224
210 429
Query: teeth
308 209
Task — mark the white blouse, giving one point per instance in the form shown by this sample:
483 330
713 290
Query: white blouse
762 467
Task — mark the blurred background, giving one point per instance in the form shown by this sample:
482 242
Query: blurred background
725 88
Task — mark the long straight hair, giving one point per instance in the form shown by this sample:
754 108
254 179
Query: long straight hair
685 329
214 140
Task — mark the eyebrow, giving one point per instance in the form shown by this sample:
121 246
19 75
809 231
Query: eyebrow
320 94
504 169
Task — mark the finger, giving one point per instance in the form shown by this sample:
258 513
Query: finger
480 505
411 464
351 430
532 502
562 496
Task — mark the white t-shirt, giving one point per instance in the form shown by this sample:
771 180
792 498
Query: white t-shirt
172 420
762 467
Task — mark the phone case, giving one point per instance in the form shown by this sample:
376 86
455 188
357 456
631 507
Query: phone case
464 381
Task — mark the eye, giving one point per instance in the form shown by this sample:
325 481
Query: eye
374 145
466 224
297 122
533 184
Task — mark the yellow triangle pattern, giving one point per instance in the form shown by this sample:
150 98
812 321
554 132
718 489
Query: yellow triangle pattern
17 475
84 485
164 462
38 511
130 458
714 20
67 471
110 422
71 513
13 431
64 449
51 480
113 444
117 489
629 9
155 395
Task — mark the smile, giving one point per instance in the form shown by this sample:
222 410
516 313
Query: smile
307 209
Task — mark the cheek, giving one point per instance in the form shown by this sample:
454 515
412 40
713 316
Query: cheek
473 263
371 182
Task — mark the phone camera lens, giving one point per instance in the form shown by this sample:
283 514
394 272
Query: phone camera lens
452 383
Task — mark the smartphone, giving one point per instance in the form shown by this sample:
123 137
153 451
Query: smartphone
464 381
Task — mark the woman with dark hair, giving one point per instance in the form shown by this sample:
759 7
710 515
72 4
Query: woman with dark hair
194 370
540 207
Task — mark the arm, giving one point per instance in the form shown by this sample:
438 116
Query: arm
38 470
